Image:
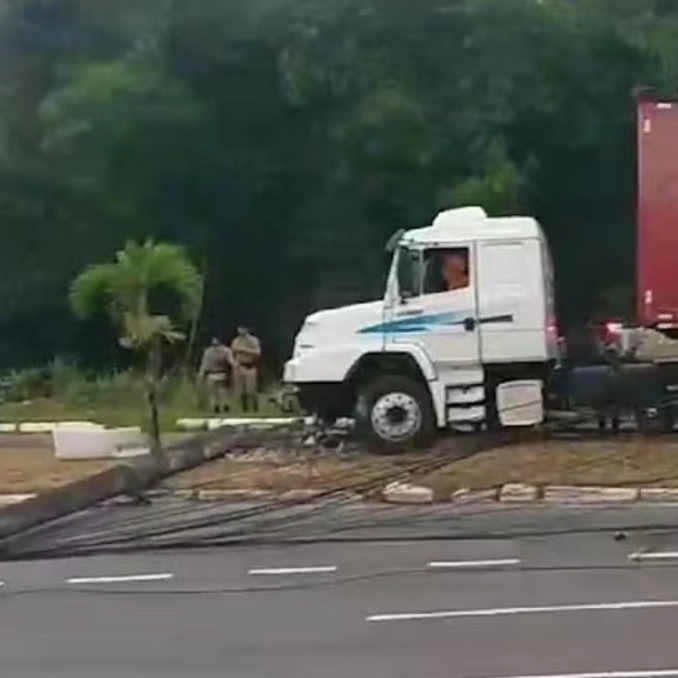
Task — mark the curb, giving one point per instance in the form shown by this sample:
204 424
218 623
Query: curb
210 424
518 493
184 424
521 493
403 493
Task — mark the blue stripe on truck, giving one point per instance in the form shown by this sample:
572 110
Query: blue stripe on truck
423 323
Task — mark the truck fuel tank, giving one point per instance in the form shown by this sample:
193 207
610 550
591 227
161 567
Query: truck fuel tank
625 386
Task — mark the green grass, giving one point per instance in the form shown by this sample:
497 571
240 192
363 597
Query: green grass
62 392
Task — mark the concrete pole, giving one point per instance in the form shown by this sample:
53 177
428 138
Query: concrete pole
130 477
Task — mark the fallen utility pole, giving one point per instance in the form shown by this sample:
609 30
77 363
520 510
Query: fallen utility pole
131 477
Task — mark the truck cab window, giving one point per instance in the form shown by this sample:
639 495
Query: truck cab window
446 270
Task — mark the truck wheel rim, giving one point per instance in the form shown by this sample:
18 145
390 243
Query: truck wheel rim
396 416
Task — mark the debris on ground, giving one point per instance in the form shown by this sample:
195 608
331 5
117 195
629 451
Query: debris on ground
27 464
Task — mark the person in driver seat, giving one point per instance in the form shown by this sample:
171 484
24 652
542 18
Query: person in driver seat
454 269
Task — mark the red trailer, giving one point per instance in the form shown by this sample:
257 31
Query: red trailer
657 274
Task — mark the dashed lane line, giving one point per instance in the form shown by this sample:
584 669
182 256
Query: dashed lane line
648 673
292 570
466 564
510 611
653 555
121 579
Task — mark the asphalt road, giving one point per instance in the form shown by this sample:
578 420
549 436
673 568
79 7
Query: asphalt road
476 607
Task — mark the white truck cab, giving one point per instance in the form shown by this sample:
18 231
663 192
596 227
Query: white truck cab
464 336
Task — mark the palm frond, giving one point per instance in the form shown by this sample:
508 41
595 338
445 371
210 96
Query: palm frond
169 265
124 287
92 289
140 330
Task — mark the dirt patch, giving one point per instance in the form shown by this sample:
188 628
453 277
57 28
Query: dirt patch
632 462
323 473
26 470
626 461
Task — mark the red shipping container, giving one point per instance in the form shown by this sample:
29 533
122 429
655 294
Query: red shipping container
657 275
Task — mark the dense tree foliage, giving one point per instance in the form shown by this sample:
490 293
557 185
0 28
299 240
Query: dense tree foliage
282 141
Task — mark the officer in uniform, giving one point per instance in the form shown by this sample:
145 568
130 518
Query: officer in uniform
246 351
214 366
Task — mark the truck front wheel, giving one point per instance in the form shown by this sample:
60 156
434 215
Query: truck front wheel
394 414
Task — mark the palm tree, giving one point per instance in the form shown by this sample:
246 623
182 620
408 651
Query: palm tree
124 288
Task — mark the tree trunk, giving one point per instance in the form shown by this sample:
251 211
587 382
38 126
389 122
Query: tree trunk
154 364
193 333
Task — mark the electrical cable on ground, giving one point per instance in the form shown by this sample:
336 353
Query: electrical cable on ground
167 527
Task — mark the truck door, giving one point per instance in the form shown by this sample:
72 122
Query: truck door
441 315
512 301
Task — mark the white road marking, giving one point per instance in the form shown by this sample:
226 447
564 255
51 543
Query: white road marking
649 673
292 570
659 555
473 563
121 579
508 611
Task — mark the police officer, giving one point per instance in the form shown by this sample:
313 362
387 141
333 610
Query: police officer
246 351
214 366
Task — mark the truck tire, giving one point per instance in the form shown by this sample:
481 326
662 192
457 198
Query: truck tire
394 414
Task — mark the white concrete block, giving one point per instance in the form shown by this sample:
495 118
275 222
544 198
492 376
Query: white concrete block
404 493
91 443
213 424
589 495
191 424
661 494
127 437
258 422
9 499
37 427
465 495
81 444
518 492
90 425
8 428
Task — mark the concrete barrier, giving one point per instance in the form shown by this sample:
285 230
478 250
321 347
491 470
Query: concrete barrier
191 424
250 422
90 425
589 495
518 492
660 494
71 443
127 477
47 426
464 495
10 499
37 427
404 493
